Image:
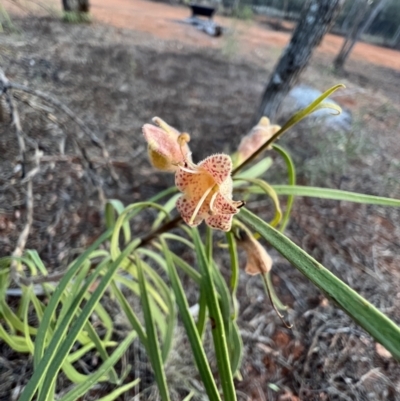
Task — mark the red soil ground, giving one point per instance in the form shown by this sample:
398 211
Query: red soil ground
165 21
162 20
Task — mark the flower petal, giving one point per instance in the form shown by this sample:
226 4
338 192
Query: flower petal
225 188
220 221
219 166
193 184
222 205
258 259
165 153
186 208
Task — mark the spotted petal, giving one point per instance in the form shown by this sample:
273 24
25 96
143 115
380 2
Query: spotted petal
220 221
193 184
221 205
219 166
186 208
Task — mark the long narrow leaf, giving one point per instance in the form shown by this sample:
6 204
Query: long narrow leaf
358 308
120 390
82 388
267 189
217 322
57 350
130 314
153 344
300 115
191 330
54 300
335 194
292 181
125 216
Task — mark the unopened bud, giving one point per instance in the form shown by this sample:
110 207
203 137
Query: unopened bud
258 260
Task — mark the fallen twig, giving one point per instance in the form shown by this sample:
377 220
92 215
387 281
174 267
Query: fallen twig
56 103
27 177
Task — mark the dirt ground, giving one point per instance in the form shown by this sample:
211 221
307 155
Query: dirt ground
124 68
161 20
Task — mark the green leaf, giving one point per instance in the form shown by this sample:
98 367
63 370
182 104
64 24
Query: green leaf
190 327
192 273
40 341
17 343
236 349
202 315
315 105
217 322
235 272
92 379
334 194
128 213
154 352
257 170
292 181
167 207
59 346
120 390
359 309
167 323
271 193
113 205
130 314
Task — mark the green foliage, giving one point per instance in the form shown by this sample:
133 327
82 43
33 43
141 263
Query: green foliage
5 20
122 265
74 17
243 12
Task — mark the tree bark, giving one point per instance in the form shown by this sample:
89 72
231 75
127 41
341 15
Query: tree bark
315 20
357 30
80 6
395 41
350 15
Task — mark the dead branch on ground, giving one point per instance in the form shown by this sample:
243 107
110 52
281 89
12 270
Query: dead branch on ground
6 89
56 103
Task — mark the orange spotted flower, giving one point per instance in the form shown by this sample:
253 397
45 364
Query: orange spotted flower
206 187
207 192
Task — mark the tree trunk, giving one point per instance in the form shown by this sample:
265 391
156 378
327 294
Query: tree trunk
315 20
395 41
354 35
79 6
353 12
285 5
362 9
